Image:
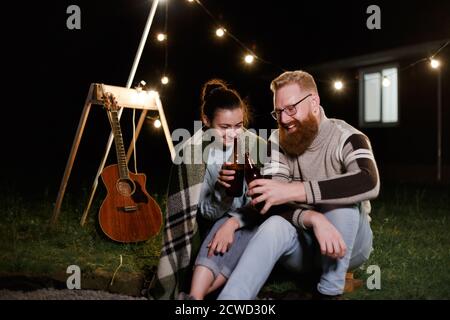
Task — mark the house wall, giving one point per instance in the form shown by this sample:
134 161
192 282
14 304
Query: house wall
407 151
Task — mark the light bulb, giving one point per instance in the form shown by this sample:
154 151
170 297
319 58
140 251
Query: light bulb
338 85
220 32
161 37
249 59
435 63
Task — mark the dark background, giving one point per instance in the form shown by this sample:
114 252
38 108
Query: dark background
48 70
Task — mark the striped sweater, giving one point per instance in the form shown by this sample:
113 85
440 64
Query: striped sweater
338 168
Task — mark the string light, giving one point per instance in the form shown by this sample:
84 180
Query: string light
161 37
251 56
435 63
220 32
235 39
249 59
157 123
164 80
338 85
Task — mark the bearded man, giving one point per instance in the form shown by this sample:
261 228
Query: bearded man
326 170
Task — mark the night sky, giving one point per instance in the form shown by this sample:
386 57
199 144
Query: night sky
49 69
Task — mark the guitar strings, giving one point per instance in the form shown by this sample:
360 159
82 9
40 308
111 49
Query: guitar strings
134 141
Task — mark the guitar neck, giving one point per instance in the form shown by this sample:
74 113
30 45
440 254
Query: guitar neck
120 149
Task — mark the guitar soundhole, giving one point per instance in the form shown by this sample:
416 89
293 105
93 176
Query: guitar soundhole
125 187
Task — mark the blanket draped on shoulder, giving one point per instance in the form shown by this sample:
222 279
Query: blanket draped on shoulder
181 239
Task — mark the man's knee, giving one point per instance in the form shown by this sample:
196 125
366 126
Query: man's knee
342 216
279 228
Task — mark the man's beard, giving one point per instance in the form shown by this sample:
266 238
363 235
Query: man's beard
295 143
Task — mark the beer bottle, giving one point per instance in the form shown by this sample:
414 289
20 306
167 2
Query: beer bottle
251 170
236 185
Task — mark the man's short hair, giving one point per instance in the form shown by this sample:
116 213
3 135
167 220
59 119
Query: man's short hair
303 79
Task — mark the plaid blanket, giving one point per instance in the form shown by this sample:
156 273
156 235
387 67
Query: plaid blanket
181 239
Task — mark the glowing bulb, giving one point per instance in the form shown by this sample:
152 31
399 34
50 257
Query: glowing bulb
220 32
190 0
157 124
249 59
338 85
435 63
386 82
164 80
161 37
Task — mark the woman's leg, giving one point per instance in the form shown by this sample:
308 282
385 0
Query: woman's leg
207 269
202 280
218 282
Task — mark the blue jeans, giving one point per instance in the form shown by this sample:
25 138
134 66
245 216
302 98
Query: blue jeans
224 263
278 240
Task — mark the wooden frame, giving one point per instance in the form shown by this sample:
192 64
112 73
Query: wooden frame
126 98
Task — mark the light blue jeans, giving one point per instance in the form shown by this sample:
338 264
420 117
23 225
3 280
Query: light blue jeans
278 240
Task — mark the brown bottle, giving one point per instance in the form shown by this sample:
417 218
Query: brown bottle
236 188
252 172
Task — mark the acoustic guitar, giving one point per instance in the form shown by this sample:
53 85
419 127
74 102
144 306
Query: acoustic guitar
128 213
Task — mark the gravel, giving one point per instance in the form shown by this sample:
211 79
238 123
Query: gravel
65 294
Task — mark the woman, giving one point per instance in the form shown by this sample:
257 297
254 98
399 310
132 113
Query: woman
197 191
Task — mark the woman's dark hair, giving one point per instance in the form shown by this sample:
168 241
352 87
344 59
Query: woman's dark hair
217 95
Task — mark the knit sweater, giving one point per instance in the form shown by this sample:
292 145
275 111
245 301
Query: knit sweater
338 168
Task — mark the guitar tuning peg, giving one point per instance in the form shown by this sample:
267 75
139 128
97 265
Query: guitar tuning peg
141 85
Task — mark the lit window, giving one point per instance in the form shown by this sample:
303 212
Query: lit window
379 96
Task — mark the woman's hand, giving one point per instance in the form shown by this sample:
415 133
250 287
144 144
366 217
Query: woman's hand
224 237
225 175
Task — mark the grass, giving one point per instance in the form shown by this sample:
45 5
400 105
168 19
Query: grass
30 245
411 226
411 245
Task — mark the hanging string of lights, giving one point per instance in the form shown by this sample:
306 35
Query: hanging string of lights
338 85
250 57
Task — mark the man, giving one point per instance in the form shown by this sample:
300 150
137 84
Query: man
326 168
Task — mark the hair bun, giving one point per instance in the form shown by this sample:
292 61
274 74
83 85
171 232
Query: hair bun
212 85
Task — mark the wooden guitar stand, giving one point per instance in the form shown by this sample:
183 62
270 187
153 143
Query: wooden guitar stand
126 98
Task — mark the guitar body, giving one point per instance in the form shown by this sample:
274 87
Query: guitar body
128 213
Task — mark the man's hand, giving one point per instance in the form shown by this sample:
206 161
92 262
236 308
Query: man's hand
329 238
224 237
274 192
225 176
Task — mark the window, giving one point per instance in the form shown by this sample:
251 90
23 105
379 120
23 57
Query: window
378 101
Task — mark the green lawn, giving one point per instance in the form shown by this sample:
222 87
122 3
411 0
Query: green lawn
411 245
29 244
411 227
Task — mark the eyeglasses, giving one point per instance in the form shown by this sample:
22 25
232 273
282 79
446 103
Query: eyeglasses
290 110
